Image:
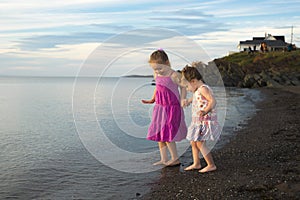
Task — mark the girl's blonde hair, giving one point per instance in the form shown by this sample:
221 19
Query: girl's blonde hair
159 57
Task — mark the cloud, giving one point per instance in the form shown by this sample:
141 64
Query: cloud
60 60
26 68
52 41
261 9
29 5
62 33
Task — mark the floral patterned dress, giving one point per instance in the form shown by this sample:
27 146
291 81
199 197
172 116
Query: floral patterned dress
202 127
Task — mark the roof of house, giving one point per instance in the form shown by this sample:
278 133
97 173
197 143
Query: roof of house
277 37
275 43
280 37
258 38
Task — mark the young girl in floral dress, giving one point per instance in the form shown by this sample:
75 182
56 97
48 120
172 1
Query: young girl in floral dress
204 125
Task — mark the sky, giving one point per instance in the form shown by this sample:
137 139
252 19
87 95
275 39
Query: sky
59 38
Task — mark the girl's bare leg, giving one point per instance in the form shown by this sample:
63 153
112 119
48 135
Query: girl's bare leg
174 156
207 157
163 154
196 159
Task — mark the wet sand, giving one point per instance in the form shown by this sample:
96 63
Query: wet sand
261 162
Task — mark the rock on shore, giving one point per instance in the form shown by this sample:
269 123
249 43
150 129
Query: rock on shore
272 69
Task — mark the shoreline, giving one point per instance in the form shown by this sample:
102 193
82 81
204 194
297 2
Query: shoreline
261 161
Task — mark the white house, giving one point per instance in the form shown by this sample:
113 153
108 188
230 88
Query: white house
267 43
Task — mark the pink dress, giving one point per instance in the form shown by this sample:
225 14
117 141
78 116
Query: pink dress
167 123
205 127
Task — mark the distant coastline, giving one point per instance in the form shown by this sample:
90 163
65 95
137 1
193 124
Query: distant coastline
137 76
73 77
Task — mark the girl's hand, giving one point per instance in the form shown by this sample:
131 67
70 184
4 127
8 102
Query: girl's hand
148 101
202 113
185 103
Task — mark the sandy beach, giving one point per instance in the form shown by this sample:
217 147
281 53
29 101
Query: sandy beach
262 160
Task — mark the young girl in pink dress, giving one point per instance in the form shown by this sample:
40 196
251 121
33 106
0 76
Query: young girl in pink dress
167 125
204 125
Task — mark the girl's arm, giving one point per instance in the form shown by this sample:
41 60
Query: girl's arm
176 77
152 100
211 101
190 100
187 102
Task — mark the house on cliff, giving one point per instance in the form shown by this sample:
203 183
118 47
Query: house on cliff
267 43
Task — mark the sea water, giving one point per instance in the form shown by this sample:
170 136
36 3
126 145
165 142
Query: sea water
67 138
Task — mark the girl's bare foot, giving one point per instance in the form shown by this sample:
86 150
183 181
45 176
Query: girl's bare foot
208 169
192 167
171 163
161 162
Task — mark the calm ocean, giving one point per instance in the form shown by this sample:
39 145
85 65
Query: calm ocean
54 136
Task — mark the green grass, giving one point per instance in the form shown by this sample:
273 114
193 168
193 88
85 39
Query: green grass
284 60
